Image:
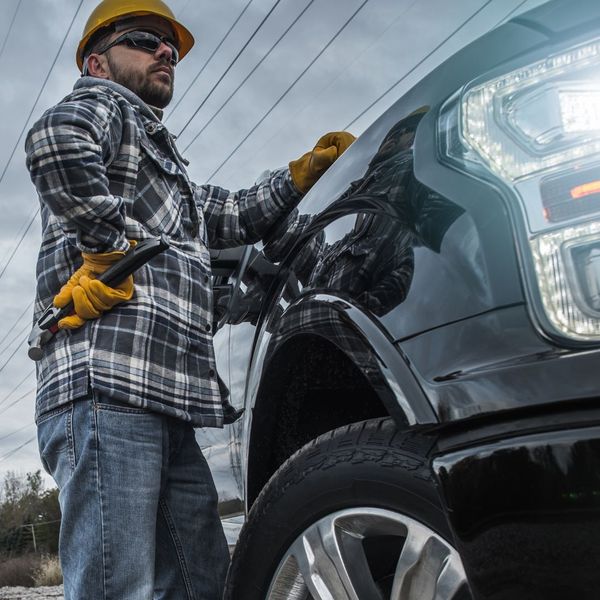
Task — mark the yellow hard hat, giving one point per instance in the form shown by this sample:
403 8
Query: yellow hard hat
109 11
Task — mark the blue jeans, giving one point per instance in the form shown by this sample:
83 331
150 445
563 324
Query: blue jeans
139 506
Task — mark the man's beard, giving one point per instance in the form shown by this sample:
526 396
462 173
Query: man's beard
151 92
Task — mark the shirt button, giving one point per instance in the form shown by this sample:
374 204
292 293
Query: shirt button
211 372
207 327
206 278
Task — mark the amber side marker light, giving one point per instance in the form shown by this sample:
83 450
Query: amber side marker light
587 189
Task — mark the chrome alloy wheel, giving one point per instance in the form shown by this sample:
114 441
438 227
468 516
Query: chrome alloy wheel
337 558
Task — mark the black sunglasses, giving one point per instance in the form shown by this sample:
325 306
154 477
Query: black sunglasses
143 40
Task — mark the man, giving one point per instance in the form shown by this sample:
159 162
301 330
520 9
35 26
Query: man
132 372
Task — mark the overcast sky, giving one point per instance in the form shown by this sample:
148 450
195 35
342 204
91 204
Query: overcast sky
380 45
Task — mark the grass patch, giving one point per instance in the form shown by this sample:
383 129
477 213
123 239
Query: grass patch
30 570
48 572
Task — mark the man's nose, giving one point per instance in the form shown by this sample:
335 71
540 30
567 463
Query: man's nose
165 52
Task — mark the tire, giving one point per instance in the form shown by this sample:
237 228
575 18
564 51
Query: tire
354 514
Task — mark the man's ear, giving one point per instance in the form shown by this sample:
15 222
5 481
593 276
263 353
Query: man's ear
97 66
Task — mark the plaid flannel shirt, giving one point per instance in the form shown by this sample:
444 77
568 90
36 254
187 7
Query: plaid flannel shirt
107 171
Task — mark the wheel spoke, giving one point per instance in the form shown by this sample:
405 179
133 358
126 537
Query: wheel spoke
451 579
288 583
317 569
421 561
349 557
409 558
326 556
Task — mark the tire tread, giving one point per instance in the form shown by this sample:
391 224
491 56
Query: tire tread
374 442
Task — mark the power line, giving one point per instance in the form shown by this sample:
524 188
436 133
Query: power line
312 62
17 400
207 61
15 450
251 72
17 386
14 251
39 523
511 13
12 355
41 90
20 232
15 338
12 154
12 22
416 66
182 10
340 72
4 437
229 67
15 323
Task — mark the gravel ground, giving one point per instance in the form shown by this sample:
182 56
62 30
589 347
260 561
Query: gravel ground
25 593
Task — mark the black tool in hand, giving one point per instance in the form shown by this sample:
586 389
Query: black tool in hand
47 324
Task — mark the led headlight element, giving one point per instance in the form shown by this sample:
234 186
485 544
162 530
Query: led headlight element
537 117
567 264
579 110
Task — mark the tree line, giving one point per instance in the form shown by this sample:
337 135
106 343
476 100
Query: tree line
29 516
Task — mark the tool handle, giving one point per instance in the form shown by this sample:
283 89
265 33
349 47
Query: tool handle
133 260
137 256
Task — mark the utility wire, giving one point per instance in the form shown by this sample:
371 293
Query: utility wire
19 335
207 61
12 22
15 323
511 13
229 67
38 524
31 221
181 11
11 356
17 386
16 236
17 400
340 72
15 450
4 437
41 90
312 62
12 154
251 73
417 65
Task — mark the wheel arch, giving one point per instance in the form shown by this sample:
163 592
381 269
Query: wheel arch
334 369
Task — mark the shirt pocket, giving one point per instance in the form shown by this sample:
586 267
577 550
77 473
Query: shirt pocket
159 204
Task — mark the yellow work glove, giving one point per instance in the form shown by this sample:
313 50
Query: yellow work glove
92 297
309 167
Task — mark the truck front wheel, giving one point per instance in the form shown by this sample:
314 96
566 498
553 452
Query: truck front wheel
352 515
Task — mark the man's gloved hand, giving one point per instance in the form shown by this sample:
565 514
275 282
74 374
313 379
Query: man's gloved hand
90 296
308 168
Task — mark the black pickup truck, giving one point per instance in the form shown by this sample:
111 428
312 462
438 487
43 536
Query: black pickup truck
418 347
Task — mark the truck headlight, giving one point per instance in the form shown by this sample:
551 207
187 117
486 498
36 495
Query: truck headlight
537 128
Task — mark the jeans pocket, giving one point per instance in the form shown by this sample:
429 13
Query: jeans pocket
55 442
